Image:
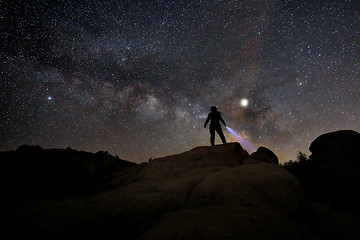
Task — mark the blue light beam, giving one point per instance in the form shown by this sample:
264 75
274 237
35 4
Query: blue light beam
251 148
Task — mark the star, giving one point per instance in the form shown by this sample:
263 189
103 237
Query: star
244 102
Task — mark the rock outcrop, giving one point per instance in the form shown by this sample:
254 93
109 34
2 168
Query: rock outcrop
265 155
331 180
334 172
339 149
215 192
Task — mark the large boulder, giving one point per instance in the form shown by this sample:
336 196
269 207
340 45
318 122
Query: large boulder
339 149
266 155
333 172
232 203
229 155
225 155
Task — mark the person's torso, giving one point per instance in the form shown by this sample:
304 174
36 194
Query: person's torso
215 119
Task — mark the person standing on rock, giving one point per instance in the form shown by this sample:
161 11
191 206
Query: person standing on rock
215 118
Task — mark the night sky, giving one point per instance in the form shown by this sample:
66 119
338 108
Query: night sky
138 78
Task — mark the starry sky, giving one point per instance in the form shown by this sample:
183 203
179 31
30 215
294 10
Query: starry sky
138 78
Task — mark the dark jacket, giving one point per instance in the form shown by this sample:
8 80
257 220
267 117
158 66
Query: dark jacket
215 118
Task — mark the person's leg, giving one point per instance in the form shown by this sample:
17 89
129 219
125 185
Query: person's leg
212 136
221 134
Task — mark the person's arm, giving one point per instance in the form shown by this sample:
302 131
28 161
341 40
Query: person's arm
207 120
222 120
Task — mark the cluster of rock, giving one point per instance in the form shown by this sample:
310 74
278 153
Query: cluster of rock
331 180
217 192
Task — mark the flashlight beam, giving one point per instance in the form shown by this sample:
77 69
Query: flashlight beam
242 140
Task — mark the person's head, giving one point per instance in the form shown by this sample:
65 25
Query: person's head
213 109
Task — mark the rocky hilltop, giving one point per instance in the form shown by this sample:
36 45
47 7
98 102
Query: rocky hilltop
218 192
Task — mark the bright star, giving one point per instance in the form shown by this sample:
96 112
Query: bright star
244 102
49 98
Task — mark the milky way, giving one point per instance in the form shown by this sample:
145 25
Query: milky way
137 78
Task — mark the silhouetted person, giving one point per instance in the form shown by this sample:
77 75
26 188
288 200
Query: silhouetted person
215 118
